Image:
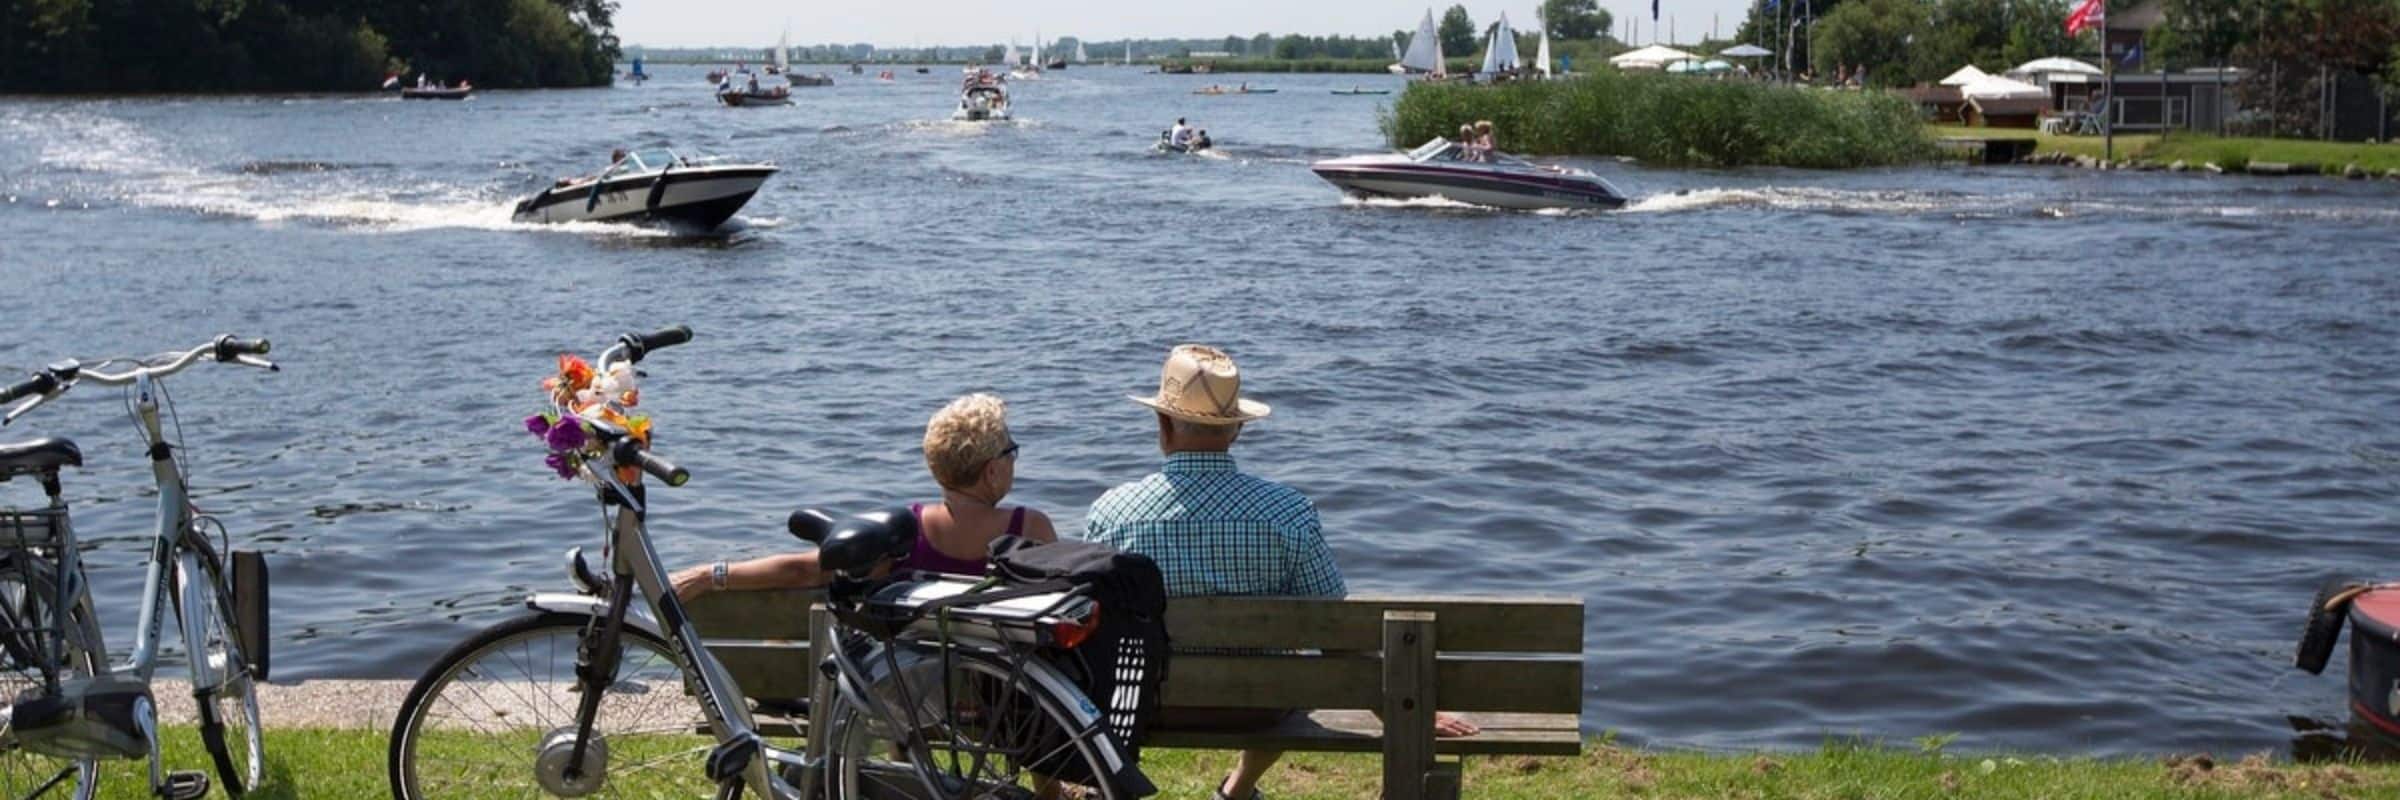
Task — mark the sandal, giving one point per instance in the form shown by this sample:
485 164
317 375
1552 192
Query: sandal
1255 794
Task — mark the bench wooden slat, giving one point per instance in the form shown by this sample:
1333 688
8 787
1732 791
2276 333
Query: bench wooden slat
772 668
1361 732
1468 683
777 614
1468 624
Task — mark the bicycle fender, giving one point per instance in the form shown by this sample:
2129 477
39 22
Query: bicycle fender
587 605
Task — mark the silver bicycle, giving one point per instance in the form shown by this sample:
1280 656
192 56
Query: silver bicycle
609 692
67 705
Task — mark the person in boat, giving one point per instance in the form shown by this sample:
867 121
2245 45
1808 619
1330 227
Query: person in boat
1200 141
616 157
972 457
1485 141
753 85
1467 149
1180 135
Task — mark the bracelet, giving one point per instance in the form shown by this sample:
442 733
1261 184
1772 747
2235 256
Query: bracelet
717 574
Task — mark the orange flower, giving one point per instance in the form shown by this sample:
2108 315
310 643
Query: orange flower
574 375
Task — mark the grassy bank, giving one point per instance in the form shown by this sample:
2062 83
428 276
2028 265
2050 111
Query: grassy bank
2195 150
1672 120
350 763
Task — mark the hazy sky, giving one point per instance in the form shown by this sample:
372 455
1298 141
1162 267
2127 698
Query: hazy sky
905 23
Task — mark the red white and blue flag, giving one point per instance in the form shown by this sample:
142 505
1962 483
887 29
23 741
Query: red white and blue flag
2087 14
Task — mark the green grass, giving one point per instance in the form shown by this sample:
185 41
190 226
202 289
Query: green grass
350 764
1672 120
2195 149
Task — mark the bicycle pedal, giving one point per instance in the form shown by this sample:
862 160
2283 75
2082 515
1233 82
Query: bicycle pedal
184 785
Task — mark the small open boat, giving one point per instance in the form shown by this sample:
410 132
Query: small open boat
1358 91
777 96
819 79
651 186
459 92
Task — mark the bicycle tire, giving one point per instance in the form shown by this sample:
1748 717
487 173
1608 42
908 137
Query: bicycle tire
483 714
23 588
230 706
853 732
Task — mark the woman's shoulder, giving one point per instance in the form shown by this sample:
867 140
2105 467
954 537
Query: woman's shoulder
1038 526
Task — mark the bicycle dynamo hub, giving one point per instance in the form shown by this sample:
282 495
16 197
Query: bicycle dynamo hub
550 764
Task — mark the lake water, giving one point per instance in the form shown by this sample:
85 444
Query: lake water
2050 459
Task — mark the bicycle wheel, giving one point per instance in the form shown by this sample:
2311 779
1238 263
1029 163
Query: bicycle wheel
226 692
29 657
495 717
1000 736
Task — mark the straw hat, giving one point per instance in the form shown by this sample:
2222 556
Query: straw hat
1200 384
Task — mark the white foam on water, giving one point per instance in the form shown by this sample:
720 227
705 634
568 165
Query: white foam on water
1409 202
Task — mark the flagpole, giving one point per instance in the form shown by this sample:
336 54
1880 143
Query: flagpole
2108 115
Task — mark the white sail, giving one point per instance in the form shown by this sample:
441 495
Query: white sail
1011 58
1396 51
1080 58
1424 49
1129 52
1037 50
783 52
1501 55
1542 56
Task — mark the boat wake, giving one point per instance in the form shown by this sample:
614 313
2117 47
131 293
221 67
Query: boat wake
112 162
1967 206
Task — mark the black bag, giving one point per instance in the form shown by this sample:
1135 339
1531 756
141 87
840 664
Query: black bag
1123 664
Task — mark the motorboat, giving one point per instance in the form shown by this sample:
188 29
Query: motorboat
651 186
1442 168
1358 91
750 94
426 89
819 79
1198 143
982 97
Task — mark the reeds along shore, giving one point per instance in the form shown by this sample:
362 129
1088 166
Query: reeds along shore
1669 119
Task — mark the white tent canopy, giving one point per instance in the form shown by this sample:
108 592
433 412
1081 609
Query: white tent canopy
1652 57
1745 51
1965 75
2043 67
1991 88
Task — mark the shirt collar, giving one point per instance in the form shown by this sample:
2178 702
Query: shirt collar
1193 461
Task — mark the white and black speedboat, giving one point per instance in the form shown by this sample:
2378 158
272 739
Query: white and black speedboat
1196 143
651 186
1441 168
983 97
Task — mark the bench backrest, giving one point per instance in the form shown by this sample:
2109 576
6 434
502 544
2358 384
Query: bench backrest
1494 654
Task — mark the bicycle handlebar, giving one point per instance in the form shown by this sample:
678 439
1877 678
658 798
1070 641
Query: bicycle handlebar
40 383
630 451
637 345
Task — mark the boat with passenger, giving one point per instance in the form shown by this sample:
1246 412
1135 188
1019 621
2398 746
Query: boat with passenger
651 186
749 94
1446 169
982 97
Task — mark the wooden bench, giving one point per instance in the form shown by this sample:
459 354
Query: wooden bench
1513 666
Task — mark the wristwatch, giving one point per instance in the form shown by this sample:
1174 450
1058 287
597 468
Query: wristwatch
717 574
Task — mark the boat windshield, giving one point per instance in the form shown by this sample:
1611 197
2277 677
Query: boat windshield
647 160
1439 149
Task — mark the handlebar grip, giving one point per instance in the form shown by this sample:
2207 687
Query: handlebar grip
638 345
40 383
631 452
229 346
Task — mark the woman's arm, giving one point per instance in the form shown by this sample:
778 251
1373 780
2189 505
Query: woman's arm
788 571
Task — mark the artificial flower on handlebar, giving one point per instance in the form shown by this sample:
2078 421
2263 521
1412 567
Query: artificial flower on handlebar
579 395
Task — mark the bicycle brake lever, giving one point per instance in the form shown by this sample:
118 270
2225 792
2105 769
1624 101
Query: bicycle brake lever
30 404
255 361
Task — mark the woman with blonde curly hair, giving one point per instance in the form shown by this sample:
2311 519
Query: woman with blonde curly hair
972 457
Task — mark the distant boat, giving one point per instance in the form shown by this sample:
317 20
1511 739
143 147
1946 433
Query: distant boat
1424 50
435 91
783 50
1542 57
1500 55
1355 90
1080 58
637 75
819 79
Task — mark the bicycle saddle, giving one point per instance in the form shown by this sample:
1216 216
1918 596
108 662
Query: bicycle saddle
856 544
39 455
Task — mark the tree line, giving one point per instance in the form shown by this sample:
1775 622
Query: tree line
301 45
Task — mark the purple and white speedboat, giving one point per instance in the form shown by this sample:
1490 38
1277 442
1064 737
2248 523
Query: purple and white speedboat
1439 168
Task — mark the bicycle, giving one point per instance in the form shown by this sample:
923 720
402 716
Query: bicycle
68 706
937 690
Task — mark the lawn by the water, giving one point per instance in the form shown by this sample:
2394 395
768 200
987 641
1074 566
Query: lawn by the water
2195 150
350 764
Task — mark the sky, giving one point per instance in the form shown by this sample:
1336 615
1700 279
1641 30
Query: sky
910 23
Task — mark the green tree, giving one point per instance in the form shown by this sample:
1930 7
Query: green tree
1575 19
2038 30
1457 32
1874 34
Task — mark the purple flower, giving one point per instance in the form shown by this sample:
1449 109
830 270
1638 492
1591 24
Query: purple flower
567 435
538 424
558 462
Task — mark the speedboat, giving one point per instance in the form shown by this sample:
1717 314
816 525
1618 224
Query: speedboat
651 186
1440 168
1199 143
983 97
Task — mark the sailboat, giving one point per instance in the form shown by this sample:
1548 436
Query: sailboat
1080 57
1542 56
1500 56
1033 67
783 57
1129 52
1424 50
1395 68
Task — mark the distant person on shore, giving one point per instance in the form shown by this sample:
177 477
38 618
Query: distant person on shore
1216 531
972 456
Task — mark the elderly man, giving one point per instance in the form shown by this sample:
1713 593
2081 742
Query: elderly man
1215 530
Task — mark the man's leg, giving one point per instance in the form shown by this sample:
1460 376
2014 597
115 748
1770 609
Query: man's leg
1244 779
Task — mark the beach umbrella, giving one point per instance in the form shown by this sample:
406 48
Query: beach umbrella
1652 57
1965 75
1745 51
1716 66
1683 67
2054 65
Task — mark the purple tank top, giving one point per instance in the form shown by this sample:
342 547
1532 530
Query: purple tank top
924 556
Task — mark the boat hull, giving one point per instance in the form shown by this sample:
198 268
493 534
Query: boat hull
2375 662
1516 191
699 199
435 94
744 100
